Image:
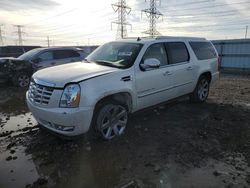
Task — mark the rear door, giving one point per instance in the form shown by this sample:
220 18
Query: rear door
182 67
66 56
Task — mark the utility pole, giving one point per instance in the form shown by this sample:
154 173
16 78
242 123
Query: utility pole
48 41
246 32
1 36
153 14
19 33
121 22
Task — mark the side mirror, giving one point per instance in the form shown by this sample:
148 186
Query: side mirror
150 63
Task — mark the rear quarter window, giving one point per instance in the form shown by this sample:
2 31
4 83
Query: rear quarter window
203 50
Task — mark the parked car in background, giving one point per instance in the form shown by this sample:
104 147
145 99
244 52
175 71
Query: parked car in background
19 70
47 57
121 77
15 51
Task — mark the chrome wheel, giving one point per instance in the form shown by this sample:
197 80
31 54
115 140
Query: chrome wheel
203 89
23 80
112 120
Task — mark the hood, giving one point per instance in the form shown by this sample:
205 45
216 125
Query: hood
60 75
4 59
11 60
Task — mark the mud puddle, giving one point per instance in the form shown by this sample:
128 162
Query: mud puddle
13 125
17 168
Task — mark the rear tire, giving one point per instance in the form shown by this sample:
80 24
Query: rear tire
201 91
110 119
21 79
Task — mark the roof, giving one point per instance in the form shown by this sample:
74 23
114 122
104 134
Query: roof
144 40
59 48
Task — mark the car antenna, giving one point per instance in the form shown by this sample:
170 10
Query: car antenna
138 39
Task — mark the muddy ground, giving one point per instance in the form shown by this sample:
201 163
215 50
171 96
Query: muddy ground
177 145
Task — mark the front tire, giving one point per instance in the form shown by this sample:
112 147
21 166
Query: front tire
110 120
201 91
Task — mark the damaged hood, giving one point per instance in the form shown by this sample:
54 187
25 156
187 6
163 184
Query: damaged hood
7 59
60 75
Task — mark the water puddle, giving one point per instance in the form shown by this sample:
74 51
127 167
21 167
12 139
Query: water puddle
15 124
18 169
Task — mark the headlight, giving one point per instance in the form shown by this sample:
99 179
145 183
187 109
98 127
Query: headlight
71 96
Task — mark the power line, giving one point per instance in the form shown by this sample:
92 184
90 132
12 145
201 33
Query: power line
122 9
153 14
49 18
208 6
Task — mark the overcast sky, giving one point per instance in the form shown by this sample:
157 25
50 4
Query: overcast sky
81 22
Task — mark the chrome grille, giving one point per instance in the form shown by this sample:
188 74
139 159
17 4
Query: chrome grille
40 94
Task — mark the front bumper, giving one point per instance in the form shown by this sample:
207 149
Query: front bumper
3 78
50 118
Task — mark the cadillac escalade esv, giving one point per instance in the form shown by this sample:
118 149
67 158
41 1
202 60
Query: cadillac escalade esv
119 78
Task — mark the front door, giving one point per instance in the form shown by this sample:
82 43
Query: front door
152 84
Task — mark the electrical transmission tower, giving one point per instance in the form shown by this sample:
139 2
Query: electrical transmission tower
153 14
19 33
123 10
1 36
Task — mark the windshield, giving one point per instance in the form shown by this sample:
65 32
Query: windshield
29 55
116 54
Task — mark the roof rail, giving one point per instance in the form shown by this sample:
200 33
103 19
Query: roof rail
173 37
138 38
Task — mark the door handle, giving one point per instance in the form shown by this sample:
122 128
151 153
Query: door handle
167 73
190 68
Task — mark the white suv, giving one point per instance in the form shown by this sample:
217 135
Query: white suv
119 78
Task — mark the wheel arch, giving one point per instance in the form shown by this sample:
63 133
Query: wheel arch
207 74
123 97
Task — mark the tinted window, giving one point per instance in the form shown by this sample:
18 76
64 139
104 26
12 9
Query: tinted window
46 56
63 54
177 52
157 51
203 50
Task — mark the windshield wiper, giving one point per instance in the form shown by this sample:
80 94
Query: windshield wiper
85 59
103 62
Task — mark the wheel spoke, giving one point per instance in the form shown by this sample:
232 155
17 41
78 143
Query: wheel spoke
122 123
121 114
105 125
108 133
116 130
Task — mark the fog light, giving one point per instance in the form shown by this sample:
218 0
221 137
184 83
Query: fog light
68 128
61 127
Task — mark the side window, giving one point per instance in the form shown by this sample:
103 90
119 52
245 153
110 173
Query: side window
46 56
74 53
203 50
177 52
157 51
63 54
